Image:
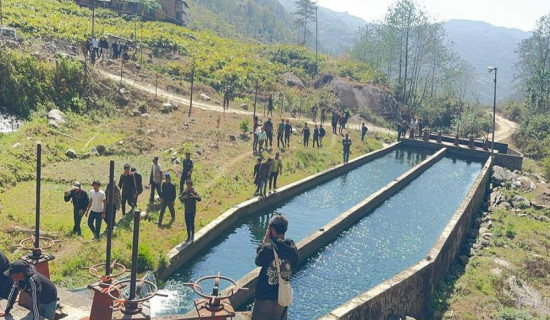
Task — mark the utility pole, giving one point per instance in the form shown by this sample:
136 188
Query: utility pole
491 69
93 22
316 41
305 23
256 97
192 88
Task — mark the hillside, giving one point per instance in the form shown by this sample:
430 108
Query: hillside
483 45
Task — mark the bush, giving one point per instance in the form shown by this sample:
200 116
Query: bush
244 125
146 259
510 231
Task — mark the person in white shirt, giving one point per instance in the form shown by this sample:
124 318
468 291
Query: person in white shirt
95 46
97 206
262 138
155 179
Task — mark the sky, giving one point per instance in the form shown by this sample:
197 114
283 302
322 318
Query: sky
519 14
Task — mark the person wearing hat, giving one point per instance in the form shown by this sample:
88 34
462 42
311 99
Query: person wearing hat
97 206
189 198
80 201
42 291
188 165
5 281
167 198
127 183
155 179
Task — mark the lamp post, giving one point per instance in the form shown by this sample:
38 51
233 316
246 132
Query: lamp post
491 69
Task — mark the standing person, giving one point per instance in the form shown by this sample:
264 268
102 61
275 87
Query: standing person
188 165
42 291
262 138
115 49
323 115
268 127
280 134
266 305
404 128
306 133
288 133
276 169
167 198
95 46
256 176
103 47
420 127
226 98
155 179
364 130
322 134
265 170
5 281
399 129
342 124
189 198
97 206
316 136
87 48
127 183
255 131
412 128
115 203
270 106
139 183
346 144
80 203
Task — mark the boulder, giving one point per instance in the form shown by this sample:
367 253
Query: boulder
542 201
520 202
217 102
244 106
205 97
526 184
167 108
17 145
176 161
71 154
293 80
56 118
502 176
232 138
100 149
86 155
145 115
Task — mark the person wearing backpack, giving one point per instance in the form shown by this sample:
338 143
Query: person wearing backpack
278 258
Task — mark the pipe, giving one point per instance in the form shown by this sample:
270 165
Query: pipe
135 244
110 216
38 178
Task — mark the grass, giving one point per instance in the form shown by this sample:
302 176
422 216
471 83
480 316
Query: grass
223 176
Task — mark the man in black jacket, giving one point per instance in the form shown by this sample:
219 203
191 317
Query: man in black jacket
189 198
41 290
5 282
127 184
80 203
266 304
167 198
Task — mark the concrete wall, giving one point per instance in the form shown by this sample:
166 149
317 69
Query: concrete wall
184 252
409 292
512 162
500 147
330 231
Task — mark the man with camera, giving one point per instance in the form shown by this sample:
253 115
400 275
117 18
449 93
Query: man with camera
80 201
189 198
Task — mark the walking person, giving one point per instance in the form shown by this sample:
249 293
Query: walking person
323 115
280 134
189 198
80 203
288 133
306 133
139 183
322 134
115 203
155 179
42 291
316 137
256 176
268 128
346 144
270 106
97 206
127 184
262 139
342 125
364 130
167 198
278 257
265 170
187 172
276 169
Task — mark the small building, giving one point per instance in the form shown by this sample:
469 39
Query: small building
174 11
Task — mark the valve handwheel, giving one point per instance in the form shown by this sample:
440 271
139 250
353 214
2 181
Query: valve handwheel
49 243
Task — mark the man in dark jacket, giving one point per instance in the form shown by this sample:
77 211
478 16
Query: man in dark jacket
167 198
288 133
115 203
139 183
41 290
306 133
280 134
5 282
189 198
316 136
346 146
322 134
265 170
80 203
266 304
268 128
256 176
187 170
127 183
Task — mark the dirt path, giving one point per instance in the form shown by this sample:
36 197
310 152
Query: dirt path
505 128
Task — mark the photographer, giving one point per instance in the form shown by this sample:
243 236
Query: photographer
80 203
189 198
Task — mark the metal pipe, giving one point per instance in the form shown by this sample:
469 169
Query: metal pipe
494 115
38 178
135 245
110 216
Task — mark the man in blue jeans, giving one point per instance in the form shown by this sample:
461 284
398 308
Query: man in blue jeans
346 144
97 206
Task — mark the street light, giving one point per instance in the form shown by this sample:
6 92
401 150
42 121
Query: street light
491 69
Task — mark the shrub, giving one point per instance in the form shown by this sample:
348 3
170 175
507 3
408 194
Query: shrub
510 231
244 125
146 259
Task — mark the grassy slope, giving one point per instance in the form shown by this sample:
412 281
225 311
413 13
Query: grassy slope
222 176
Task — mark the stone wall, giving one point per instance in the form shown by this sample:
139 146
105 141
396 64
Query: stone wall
409 292
184 252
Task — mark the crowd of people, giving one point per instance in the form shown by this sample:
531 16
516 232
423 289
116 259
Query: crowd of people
99 49
415 128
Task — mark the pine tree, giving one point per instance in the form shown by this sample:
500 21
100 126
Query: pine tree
305 12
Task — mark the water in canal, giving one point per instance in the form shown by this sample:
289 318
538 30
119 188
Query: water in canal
395 236
233 252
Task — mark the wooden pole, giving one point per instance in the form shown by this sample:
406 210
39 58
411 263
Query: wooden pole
192 89
256 98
